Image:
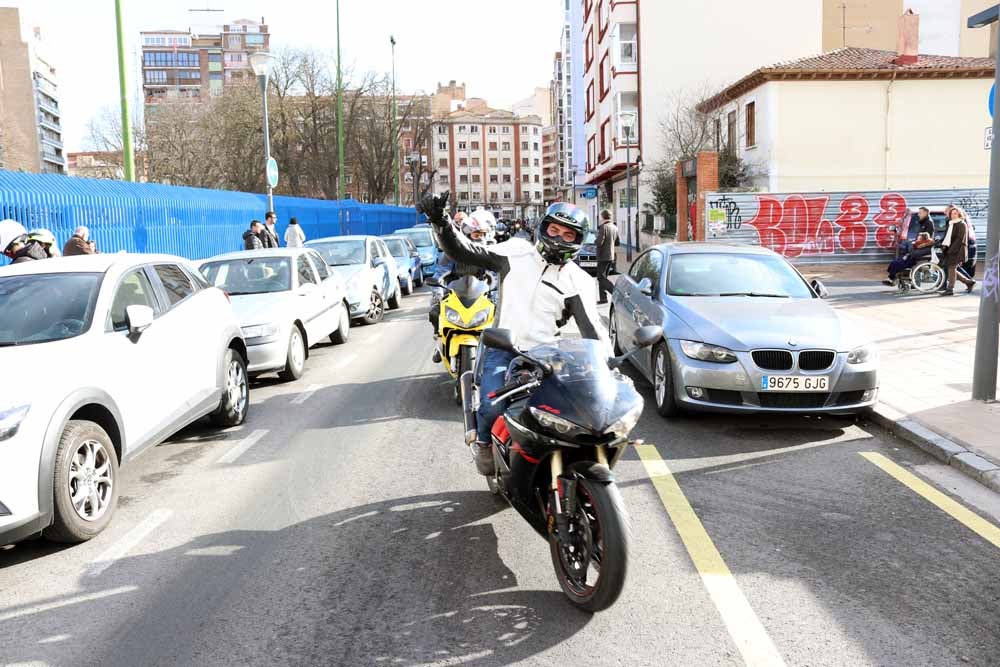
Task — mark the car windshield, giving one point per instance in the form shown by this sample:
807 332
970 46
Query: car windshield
397 248
591 237
733 274
341 253
41 308
250 275
421 237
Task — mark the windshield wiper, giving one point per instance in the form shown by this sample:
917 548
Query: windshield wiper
760 294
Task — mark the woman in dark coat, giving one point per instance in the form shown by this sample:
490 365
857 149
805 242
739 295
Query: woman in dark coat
956 249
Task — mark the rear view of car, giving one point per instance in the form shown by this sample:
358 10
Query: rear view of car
426 246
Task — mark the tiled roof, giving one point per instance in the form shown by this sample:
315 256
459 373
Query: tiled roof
854 63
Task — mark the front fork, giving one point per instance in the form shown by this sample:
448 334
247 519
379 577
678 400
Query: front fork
563 488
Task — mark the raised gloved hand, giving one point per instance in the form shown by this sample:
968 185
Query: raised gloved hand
434 207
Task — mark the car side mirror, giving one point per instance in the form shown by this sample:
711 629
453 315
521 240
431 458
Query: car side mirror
646 286
820 289
648 336
139 319
499 339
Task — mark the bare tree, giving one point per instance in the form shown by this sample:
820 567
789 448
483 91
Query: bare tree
104 135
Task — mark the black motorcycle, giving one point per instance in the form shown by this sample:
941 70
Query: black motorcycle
567 423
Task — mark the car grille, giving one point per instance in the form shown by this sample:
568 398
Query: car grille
792 400
850 397
723 396
816 360
773 360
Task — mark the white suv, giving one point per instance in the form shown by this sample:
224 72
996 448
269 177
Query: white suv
102 357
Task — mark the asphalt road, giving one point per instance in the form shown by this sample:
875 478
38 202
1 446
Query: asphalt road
344 524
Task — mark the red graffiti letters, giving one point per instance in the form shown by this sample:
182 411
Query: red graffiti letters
894 211
854 233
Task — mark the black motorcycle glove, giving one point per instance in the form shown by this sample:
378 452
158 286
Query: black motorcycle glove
434 208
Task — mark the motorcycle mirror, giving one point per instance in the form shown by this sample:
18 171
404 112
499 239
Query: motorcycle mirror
500 339
819 288
648 336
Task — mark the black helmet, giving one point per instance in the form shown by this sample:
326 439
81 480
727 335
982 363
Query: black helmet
555 249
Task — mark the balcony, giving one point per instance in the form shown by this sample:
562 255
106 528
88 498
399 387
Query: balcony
55 143
45 103
51 125
624 49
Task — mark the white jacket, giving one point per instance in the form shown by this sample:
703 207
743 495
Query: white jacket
294 236
536 298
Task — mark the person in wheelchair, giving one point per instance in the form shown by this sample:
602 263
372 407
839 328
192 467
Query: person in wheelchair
910 254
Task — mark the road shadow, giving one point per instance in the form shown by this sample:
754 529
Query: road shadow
410 581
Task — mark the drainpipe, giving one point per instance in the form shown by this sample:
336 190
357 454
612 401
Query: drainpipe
888 110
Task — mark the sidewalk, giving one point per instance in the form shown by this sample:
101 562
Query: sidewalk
926 348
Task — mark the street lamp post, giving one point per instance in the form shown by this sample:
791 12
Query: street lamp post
260 62
128 157
395 139
984 374
628 124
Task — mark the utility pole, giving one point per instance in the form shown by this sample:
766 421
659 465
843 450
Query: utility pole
128 159
395 138
984 378
340 116
843 8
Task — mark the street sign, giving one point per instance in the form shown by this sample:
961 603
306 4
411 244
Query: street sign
588 193
988 142
993 99
272 172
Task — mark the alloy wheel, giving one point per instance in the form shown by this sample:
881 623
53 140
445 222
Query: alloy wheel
297 350
91 483
375 308
236 387
660 377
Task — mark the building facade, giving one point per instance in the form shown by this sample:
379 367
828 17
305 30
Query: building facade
539 103
31 136
182 64
490 158
570 119
551 191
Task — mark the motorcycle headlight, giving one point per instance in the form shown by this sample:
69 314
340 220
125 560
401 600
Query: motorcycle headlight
479 319
553 423
260 331
624 426
863 354
454 317
10 420
706 352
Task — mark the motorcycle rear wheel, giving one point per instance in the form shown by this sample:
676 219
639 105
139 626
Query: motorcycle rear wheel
600 525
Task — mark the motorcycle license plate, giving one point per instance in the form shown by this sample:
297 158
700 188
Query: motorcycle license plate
588 265
795 383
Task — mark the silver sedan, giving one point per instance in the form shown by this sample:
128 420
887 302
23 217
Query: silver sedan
743 332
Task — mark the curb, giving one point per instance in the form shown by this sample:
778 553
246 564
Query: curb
947 451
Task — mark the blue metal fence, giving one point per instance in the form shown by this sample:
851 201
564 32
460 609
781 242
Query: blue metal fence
190 222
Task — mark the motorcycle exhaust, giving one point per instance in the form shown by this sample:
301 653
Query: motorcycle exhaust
468 407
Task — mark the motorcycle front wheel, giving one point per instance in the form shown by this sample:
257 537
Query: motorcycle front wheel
465 362
591 562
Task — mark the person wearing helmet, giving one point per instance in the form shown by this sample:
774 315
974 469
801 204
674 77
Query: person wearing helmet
541 289
46 239
14 243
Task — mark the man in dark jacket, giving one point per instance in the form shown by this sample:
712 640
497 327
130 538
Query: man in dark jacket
252 237
269 234
79 243
607 239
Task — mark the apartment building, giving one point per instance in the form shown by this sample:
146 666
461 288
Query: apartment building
179 64
31 136
570 120
550 165
539 103
491 158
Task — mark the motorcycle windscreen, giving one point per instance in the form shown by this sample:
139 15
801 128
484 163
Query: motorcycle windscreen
582 387
468 289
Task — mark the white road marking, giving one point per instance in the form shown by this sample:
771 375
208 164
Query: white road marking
243 445
307 394
64 602
345 362
127 542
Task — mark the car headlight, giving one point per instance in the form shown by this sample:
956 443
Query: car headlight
260 331
479 318
551 422
10 420
624 426
863 354
454 317
706 352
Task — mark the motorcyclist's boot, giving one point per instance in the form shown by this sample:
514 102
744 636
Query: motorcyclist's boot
437 357
483 453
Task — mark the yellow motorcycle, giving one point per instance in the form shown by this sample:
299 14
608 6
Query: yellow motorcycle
465 311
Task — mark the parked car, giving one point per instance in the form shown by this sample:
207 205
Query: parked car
104 356
368 269
743 332
408 261
287 300
422 237
587 259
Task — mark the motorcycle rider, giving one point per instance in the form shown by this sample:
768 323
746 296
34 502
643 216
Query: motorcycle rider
540 290
15 245
47 240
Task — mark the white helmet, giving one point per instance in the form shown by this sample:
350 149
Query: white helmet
482 221
10 230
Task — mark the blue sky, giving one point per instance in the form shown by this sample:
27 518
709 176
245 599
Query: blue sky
501 48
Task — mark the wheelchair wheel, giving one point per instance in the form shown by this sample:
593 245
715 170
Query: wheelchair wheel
927 277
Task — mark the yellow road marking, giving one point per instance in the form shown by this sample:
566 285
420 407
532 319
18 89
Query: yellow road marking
738 616
957 511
